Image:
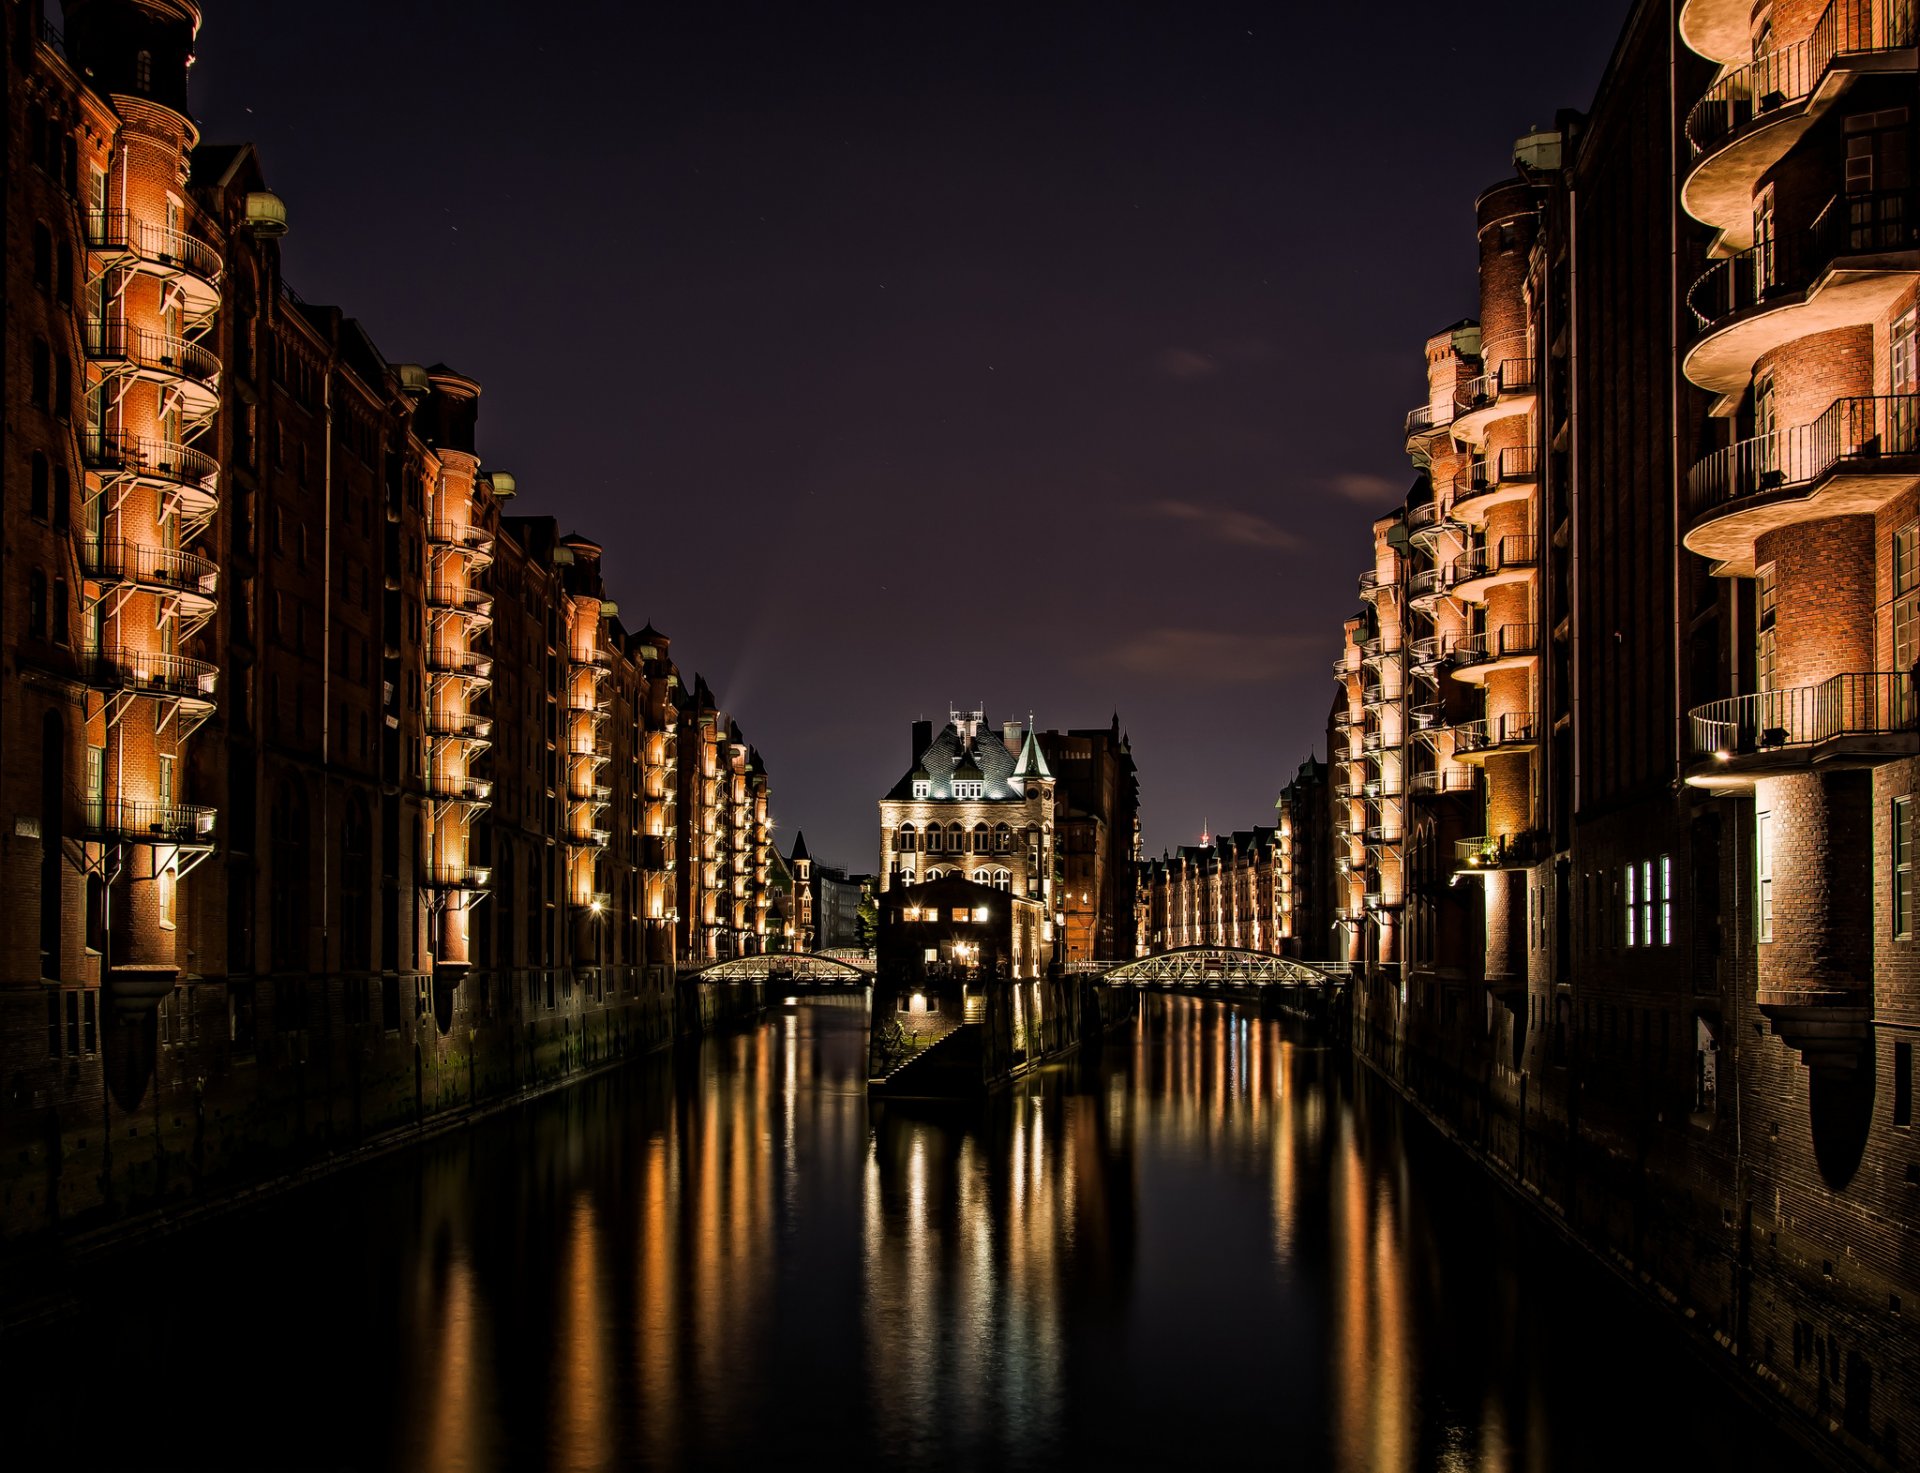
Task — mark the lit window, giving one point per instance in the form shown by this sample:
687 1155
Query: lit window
1765 641
1646 902
1632 914
1906 613
1903 868
143 70
1666 900
1763 869
1904 344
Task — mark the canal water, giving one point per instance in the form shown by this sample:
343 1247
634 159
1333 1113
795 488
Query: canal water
1213 1240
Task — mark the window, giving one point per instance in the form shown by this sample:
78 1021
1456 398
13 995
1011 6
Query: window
1903 1084
1666 900
143 70
1903 869
1763 871
1633 914
1906 612
1904 355
1765 652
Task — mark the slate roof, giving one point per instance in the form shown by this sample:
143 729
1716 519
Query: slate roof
936 766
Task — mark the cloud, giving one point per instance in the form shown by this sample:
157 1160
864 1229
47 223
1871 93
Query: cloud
1210 656
1360 486
1225 524
1184 363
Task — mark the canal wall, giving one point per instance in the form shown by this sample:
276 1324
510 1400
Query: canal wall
1808 1332
176 1111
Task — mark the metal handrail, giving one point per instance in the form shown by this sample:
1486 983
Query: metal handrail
1428 582
1430 649
466 535
1787 75
1493 851
1507 642
183 358
1427 418
1865 703
459 789
1862 431
467 664
442 595
1787 264
164 823
1438 780
464 725
591 655
120 667
144 455
1514 375
1513 729
459 876
164 567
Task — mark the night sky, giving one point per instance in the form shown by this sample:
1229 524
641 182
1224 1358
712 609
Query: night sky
1049 357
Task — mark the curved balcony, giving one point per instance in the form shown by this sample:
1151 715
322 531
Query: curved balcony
1847 720
464 539
1501 393
1372 740
1475 741
1425 717
467 665
460 726
1500 851
1853 264
187 575
1342 668
464 601
192 266
1373 581
596 795
181 365
1510 647
188 479
461 789
591 656
119 669
1428 651
1479 570
1753 116
1441 782
1426 422
118 821
1853 459
458 876
1483 484
591 747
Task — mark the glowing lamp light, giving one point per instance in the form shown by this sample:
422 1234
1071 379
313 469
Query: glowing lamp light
1722 755
596 907
980 914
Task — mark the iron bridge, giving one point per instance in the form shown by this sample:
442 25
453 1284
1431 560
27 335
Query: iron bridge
1217 967
795 969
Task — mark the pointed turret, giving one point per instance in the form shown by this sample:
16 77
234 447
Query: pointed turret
1032 763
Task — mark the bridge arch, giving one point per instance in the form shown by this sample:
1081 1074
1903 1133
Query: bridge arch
1220 966
796 966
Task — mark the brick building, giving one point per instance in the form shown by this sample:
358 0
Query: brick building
1624 754
338 794
1097 834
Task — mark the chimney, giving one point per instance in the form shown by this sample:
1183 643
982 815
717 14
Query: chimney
922 739
1013 733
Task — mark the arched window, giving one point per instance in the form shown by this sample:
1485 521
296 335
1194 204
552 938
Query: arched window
1002 839
956 839
933 838
903 840
143 70
1002 880
906 877
935 874
980 838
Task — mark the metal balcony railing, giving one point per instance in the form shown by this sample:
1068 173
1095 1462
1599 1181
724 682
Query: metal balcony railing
459 789
1788 75
591 655
464 536
117 560
1515 729
460 725
466 664
1427 583
180 464
1786 264
1509 641
1427 418
119 668
1851 434
1499 851
458 876
1373 580
454 598
1430 649
1436 781
1870 703
1513 376
153 352
148 823
1424 516
595 793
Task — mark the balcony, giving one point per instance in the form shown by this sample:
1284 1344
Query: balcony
115 820
1379 834
121 670
591 656
1426 587
1372 740
1509 647
1425 717
1425 423
1859 257
190 265
463 600
1374 581
454 664
1479 570
1443 781
1429 650
1485 483
458 876
1342 668
1475 741
461 789
180 365
591 837
1749 119
187 479
154 569
1849 462
1500 851
459 726
1501 393
596 795
464 539
1846 720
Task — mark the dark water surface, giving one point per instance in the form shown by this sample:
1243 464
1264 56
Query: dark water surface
1212 1242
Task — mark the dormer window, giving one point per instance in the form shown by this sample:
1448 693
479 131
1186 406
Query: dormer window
922 787
967 789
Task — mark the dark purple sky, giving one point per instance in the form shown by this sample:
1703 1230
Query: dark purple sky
1046 356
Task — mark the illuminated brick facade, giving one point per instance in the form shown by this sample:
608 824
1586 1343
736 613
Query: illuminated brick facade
337 796
1625 754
